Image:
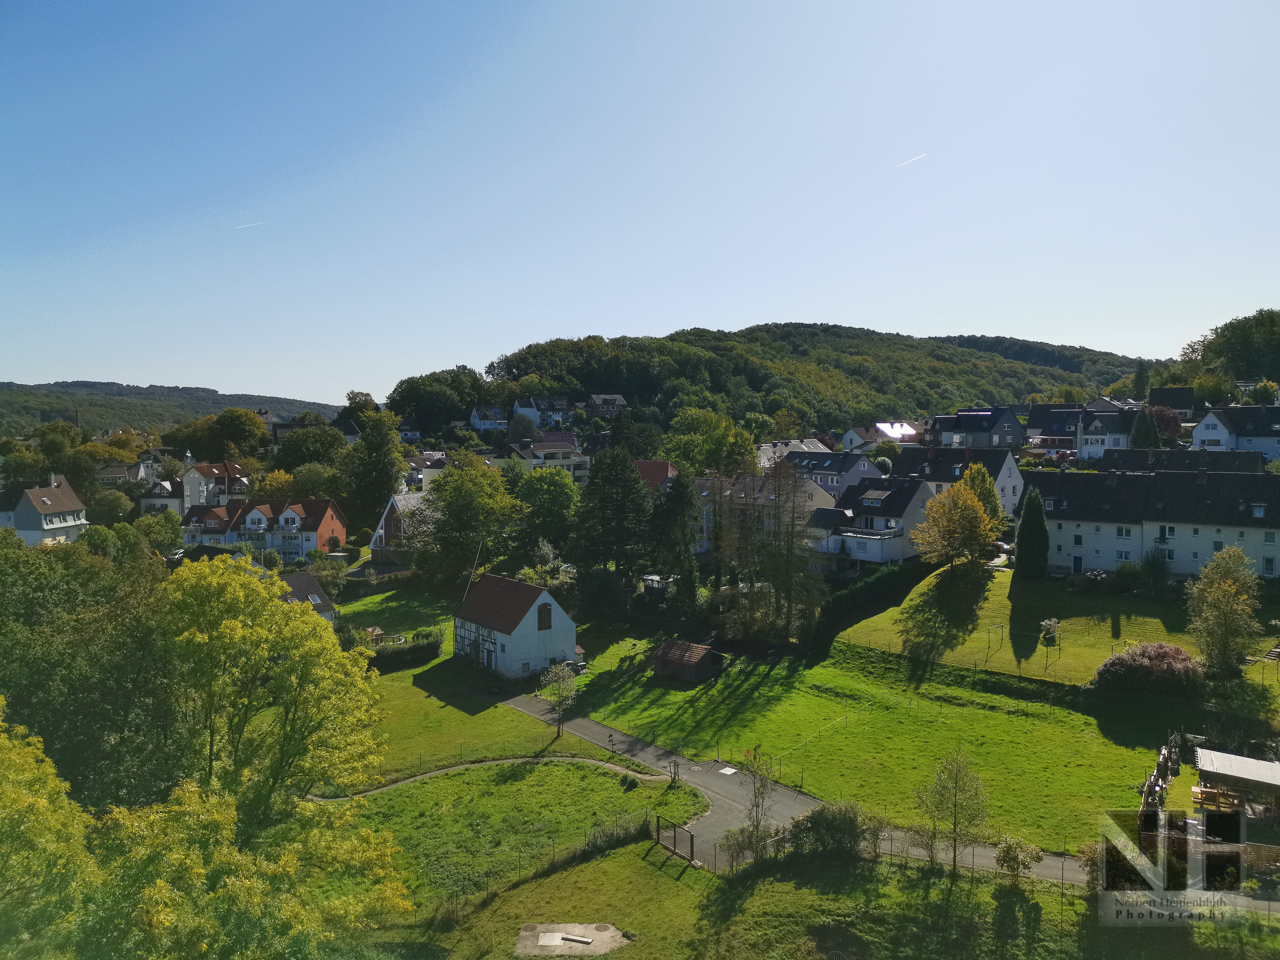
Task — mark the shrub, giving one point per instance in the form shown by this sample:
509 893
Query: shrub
363 537
271 559
838 609
1128 578
1016 856
629 782
1151 669
829 828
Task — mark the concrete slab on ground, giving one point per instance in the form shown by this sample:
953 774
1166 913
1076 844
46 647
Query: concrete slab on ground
545 939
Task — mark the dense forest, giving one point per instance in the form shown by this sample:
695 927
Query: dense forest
100 406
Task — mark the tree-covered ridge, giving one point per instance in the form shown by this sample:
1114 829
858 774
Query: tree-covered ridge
828 376
1098 365
113 406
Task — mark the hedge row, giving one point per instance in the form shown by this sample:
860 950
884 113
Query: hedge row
405 656
839 610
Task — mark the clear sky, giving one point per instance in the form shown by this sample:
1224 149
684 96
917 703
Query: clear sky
305 198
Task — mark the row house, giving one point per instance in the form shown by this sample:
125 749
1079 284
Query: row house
1098 521
1247 428
293 528
977 427
905 433
45 514
1152 460
213 484
546 412
940 467
749 497
832 471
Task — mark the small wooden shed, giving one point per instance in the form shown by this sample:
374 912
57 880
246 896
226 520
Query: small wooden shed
690 662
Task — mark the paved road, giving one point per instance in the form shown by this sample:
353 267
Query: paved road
729 794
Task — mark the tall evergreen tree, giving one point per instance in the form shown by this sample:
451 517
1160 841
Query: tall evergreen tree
676 512
1141 381
1146 434
1033 538
613 527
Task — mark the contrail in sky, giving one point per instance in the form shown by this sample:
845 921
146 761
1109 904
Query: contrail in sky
261 222
902 164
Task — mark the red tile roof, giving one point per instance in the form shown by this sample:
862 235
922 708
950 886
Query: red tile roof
656 472
678 651
498 603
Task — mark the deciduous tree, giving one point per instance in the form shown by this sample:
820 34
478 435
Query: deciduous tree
551 500
977 479
955 801
373 468
322 444
467 512
956 527
1221 603
560 689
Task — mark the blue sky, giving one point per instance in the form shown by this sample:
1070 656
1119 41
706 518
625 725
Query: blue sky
437 184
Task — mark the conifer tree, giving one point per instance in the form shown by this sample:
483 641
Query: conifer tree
1033 538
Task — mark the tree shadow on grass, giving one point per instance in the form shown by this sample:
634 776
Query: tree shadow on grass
942 615
462 686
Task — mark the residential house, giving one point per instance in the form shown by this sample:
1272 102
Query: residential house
749 496
1098 521
656 473
409 432
832 471
348 428
1181 400
1150 461
305 588
213 484
425 467
977 427
44 514
512 628
1239 428
115 475
293 528
605 406
561 456
386 544
766 453
905 433
1054 426
877 517
163 495
940 467
545 411
487 418
1106 424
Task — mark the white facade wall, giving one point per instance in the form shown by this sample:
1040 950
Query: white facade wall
1213 434
526 651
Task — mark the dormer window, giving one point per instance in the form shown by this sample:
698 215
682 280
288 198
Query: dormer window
1048 505
1259 510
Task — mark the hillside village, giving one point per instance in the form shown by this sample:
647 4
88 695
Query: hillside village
756 635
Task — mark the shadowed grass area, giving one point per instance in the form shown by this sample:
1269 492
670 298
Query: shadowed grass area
461 832
402 610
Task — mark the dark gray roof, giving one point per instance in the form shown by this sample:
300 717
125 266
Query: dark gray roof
894 496
940 463
1054 419
1215 461
347 426
1195 497
828 518
1250 420
1176 398
828 461
302 587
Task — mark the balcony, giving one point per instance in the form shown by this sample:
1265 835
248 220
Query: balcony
873 534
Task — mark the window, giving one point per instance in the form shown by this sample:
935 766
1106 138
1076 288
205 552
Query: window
1195 555
1240 535
1097 528
1259 509
1269 566
524 667
1115 441
1248 441
544 616
502 648
1079 540
937 488
995 439
1124 533
1195 531
1048 505
1015 489
1269 537
315 600
1097 552
1122 556
1168 555
551 661
1002 491
1217 546
1210 425
1059 548
1059 526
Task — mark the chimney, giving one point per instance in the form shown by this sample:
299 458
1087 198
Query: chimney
1202 476
52 482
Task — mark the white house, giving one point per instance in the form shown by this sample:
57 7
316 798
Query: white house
487 418
49 513
512 628
545 411
213 484
1249 428
558 456
767 453
940 467
878 517
1106 424
905 433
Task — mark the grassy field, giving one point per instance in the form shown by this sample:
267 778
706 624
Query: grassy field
464 831
847 729
448 712
807 908
992 620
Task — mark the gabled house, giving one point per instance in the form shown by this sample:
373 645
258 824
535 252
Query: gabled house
881 513
605 406
487 418
386 543
1107 424
1248 428
905 433
751 498
940 467
409 432
118 474
1151 461
657 474
545 411
767 453
293 528
425 467
305 588
513 628
977 427
1054 426
348 429
213 484
44 514
163 495
832 471
1098 521
1181 400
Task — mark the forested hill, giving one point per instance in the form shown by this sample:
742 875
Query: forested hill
1098 365
829 376
101 405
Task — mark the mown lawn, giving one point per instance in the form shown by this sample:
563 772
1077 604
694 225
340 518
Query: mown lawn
400 611
993 621
461 832
841 730
803 908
